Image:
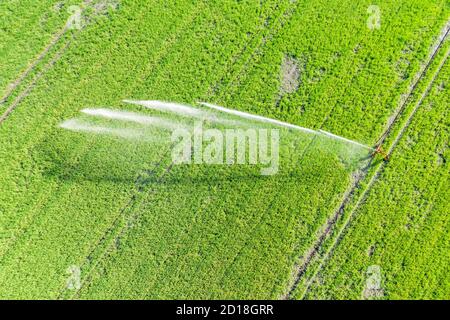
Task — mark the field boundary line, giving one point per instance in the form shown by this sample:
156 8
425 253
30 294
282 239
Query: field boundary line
349 194
35 62
371 182
168 169
33 83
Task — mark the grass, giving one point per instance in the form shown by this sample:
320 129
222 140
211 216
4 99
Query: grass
26 28
141 228
401 227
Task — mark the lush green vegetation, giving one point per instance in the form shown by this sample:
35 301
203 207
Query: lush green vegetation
139 227
26 29
403 225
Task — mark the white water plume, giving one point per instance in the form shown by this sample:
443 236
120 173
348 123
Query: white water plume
347 150
133 117
171 107
256 118
185 111
333 136
82 126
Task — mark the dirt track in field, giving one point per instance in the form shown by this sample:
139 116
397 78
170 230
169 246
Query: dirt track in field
32 66
300 270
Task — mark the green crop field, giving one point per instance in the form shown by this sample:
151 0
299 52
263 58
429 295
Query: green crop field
409 242
102 210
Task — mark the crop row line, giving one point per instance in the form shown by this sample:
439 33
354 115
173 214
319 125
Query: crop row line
23 94
167 171
414 87
170 42
31 86
11 87
351 191
252 54
33 66
441 183
283 18
287 14
140 183
373 179
142 178
300 270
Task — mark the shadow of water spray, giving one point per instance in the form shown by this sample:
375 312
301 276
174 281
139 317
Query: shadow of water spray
298 145
248 212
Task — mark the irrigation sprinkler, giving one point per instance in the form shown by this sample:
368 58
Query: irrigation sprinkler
379 150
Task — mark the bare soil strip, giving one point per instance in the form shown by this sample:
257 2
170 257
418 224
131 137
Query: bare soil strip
30 87
366 191
28 71
414 87
327 229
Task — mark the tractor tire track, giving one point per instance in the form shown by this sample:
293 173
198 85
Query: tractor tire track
288 13
131 202
281 21
110 234
22 95
328 227
25 229
40 58
32 85
246 63
41 74
357 184
415 85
